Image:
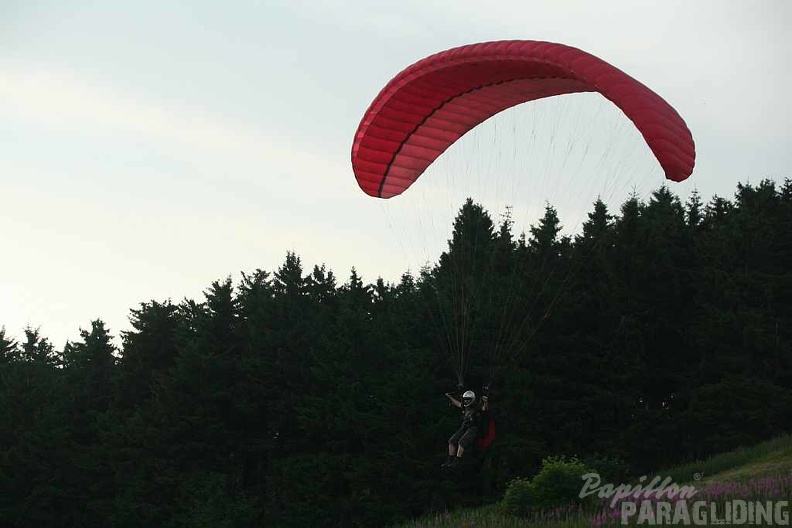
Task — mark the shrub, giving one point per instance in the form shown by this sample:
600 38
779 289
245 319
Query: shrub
610 469
519 497
558 483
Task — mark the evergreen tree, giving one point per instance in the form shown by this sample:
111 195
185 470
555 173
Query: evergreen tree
38 349
9 348
659 333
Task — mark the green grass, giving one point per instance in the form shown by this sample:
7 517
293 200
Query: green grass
771 457
493 516
749 465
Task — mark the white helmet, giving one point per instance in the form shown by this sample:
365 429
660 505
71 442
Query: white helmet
468 398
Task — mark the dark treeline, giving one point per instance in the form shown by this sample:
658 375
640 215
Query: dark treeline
661 333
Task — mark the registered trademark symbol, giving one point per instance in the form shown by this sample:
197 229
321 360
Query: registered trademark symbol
696 476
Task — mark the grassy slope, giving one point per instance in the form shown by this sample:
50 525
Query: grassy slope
768 458
773 457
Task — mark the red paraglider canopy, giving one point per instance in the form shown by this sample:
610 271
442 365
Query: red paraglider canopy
428 106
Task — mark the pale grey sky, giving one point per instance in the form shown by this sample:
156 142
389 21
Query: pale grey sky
148 148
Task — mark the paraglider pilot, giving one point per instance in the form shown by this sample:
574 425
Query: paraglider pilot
467 433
